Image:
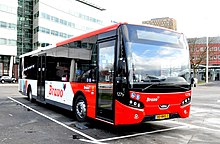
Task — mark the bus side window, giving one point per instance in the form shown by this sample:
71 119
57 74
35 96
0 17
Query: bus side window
66 76
89 76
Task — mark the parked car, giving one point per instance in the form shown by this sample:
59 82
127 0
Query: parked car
9 79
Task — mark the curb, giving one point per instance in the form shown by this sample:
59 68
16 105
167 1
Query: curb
8 85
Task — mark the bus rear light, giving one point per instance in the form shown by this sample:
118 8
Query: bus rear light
186 101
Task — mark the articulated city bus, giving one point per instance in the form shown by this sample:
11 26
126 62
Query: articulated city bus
120 74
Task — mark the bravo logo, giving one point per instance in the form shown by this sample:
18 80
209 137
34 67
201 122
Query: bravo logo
152 99
56 92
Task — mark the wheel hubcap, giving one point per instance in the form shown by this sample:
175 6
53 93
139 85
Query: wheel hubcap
81 109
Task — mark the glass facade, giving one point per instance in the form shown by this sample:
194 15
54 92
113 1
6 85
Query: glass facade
24 27
41 23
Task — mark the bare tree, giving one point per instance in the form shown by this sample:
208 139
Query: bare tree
198 49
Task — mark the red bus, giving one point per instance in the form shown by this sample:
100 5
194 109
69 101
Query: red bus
120 74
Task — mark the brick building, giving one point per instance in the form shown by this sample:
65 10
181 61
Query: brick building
166 22
198 51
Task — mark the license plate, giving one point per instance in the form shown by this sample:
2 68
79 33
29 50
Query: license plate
162 116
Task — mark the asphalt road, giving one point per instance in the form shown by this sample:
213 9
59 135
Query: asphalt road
23 122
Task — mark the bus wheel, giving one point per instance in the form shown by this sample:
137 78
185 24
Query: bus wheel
30 96
80 108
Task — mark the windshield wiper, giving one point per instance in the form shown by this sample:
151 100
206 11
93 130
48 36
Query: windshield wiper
149 86
162 83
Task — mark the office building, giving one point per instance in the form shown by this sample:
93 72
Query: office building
166 22
41 23
8 37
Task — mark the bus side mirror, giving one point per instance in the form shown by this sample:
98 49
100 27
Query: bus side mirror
121 65
121 78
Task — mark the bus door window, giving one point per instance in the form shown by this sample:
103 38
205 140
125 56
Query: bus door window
106 72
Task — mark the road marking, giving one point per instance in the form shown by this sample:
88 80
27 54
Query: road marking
218 101
100 141
89 141
62 124
191 125
183 125
137 134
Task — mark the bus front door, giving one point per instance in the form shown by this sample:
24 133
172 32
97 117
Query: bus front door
41 78
105 96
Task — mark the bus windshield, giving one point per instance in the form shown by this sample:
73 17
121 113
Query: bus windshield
156 56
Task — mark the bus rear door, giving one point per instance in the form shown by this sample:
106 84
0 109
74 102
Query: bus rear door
41 77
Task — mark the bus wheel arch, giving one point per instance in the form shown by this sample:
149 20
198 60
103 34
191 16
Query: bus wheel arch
29 94
80 107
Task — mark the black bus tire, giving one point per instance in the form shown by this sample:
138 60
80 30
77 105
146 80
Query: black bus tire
80 108
30 96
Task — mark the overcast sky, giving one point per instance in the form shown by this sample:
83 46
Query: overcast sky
195 18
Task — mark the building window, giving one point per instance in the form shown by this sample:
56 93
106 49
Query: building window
64 35
36 15
201 49
54 19
44 30
3 41
64 22
12 26
12 42
36 30
3 24
55 33
45 16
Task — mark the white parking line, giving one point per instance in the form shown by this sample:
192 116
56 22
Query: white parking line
100 141
62 124
191 125
137 134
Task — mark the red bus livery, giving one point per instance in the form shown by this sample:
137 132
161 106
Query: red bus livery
120 74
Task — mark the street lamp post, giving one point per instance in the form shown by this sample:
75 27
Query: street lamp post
207 59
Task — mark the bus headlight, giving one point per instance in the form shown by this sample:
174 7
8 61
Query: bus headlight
136 104
186 101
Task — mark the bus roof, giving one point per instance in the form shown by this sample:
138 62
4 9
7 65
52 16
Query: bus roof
37 51
86 35
105 29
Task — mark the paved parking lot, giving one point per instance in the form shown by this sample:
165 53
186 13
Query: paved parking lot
24 122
